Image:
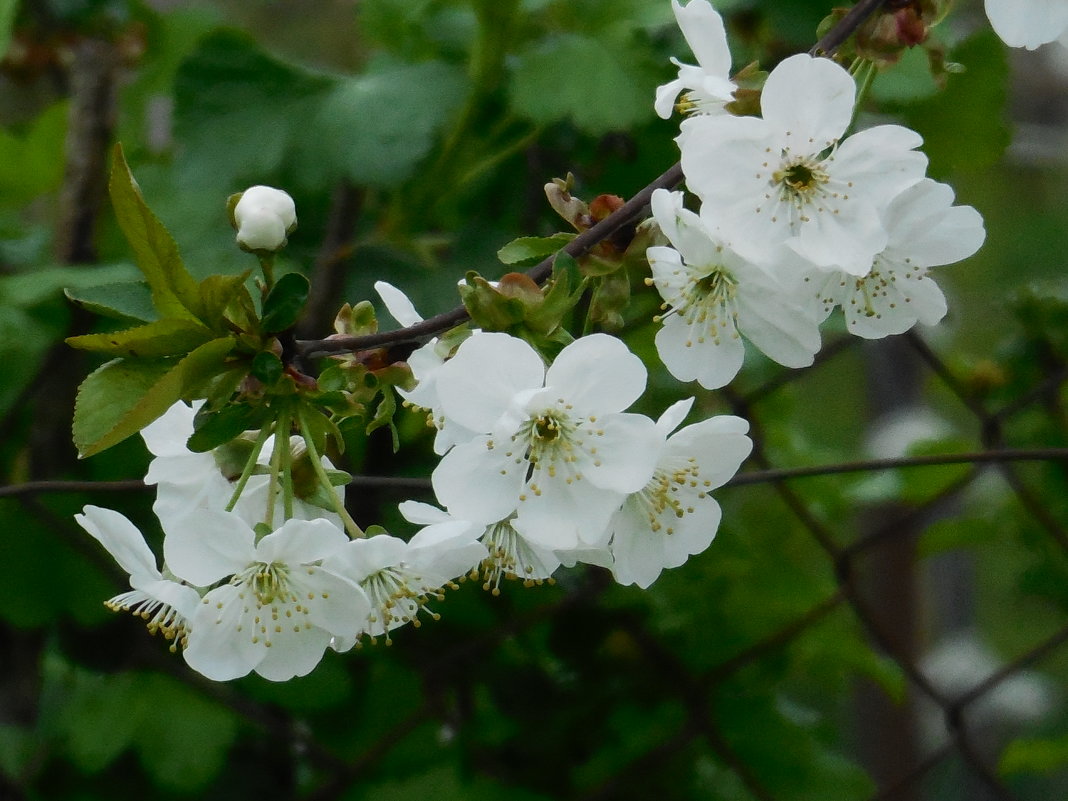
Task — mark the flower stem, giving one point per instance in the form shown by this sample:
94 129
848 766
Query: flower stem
250 465
281 444
267 266
865 75
354 531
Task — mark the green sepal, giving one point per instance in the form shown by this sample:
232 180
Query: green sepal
562 293
320 427
358 320
527 251
127 300
610 297
214 428
284 303
384 412
170 337
306 484
125 395
174 290
333 379
217 292
267 367
489 309
231 457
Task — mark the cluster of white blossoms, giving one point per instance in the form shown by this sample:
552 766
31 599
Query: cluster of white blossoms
544 461
542 465
545 468
795 217
239 593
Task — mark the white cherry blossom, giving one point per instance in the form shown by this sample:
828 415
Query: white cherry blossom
264 217
166 605
554 446
707 87
278 605
925 230
190 482
1028 23
509 555
400 578
674 517
712 297
788 185
424 363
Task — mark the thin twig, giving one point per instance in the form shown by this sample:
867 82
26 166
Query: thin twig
420 332
755 477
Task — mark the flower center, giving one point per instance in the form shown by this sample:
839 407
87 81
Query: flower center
268 582
398 594
510 557
158 616
550 438
707 305
800 179
664 499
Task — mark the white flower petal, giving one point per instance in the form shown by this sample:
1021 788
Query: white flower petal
673 415
398 304
478 483
1028 24
478 384
301 542
703 29
212 649
597 373
292 653
627 447
713 363
809 98
206 546
565 516
121 538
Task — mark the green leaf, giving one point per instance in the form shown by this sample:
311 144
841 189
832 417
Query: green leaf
30 164
169 337
102 715
8 8
598 86
174 292
284 303
362 133
123 396
17 746
238 110
216 294
267 367
130 300
562 292
1034 755
212 429
183 737
527 251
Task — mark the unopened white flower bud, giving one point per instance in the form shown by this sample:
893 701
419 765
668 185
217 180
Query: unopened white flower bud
264 216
